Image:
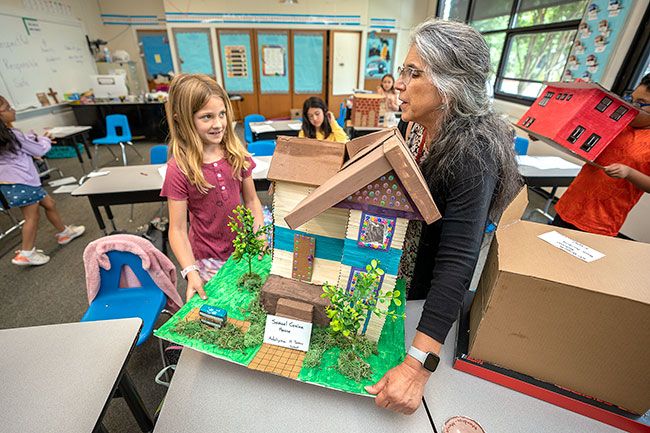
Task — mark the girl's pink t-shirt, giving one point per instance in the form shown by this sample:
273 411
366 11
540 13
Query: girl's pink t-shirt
209 234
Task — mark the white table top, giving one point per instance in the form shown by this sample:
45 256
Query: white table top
58 378
208 394
545 166
451 392
275 126
123 179
65 131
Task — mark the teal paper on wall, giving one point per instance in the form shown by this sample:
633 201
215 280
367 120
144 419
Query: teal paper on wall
236 62
307 63
273 49
195 56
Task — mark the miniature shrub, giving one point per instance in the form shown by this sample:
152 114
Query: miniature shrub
352 366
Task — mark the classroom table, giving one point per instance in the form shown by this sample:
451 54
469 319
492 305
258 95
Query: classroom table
359 131
209 394
270 129
70 136
61 378
134 184
451 393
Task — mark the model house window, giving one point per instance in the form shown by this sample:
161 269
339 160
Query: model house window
569 96
603 104
546 98
529 40
590 143
618 113
576 134
376 232
529 121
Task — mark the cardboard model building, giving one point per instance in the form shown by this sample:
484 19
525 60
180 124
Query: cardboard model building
367 109
360 213
582 118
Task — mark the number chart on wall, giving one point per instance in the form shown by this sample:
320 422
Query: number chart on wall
236 62
42 56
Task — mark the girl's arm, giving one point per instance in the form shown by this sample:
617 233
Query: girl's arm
32 144
339 134
635 177
180 243
251 201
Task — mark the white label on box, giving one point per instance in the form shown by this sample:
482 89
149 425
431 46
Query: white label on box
572 247
289 333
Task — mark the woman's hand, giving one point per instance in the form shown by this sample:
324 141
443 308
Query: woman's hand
619 171
402 387
194 285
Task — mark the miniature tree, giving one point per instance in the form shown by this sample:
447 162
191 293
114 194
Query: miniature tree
249 243
349 309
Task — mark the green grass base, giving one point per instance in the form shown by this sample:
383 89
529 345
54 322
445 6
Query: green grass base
222 292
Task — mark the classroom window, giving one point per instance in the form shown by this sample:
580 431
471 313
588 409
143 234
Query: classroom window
603 104
590 142
576 134
618 113
529 40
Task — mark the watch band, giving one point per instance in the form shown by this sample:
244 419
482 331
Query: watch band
187 270
427 359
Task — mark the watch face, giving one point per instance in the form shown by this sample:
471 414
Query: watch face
431 362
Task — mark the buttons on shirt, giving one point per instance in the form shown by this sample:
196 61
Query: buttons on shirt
223 188
218 174
215 164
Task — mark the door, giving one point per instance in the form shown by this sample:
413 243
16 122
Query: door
154 45
274 93
238 67
344 67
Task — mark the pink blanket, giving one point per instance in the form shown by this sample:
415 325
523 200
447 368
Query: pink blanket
160 268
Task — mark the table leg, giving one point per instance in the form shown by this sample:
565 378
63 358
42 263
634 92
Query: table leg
85 137
98 216
109 214
134 401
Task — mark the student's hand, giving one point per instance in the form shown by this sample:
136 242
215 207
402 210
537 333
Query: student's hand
619 171
331 117
402 387
265 238
48 134
194 285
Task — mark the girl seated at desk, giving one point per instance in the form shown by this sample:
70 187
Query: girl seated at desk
387 88
319 123
21 186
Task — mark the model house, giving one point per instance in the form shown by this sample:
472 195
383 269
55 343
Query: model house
582 118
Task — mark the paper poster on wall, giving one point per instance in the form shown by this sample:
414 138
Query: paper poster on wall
596 39
307 63
236 63
272 48
380 52
273 61
195 55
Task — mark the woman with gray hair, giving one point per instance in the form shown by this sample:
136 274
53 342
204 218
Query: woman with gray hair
465 151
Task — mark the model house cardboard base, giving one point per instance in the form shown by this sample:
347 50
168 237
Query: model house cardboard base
578 319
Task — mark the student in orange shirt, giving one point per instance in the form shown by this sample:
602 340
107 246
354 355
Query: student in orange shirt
599 200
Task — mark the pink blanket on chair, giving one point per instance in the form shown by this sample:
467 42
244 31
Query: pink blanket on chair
160 268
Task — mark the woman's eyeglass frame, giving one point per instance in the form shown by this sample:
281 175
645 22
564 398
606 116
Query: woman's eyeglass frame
406 73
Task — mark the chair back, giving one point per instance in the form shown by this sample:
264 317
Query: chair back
114 121
342 112
248 134
262 148
521 145
158 154
110 279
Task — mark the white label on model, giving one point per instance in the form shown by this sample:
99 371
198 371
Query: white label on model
572 247
289 333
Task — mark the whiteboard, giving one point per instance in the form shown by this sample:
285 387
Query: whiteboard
37 53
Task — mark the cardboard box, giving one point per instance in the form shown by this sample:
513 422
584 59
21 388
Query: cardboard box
580 325
580 119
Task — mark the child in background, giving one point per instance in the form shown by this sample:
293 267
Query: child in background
319 123
208 174
21 186
387 88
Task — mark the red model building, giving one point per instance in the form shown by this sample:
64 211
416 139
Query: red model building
580 117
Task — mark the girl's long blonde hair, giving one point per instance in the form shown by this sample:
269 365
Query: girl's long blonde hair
188 93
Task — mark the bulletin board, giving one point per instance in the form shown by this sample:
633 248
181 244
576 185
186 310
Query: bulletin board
236 62
597 38
380 54
308 63
273 49
194 51
157 55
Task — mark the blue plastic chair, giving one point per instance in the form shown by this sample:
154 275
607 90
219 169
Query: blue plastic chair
521 145
342 112
113 302
262 148
113 122
248 134
158 154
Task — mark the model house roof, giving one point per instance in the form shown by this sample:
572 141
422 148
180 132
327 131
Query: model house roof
379 154
305 161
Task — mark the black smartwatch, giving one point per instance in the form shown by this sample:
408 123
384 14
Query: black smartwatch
427 359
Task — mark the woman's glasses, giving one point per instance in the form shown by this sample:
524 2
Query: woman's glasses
634 103
406 73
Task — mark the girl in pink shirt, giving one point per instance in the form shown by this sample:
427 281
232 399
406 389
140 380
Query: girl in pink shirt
208 175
